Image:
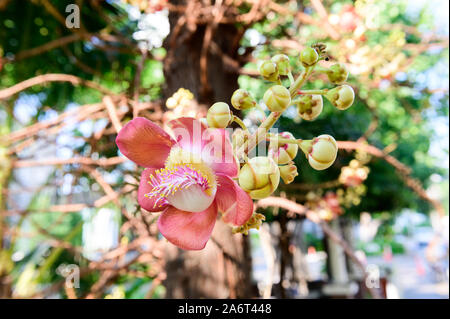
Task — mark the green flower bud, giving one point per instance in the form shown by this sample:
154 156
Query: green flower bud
308 57
288 172
277 98
309 107
282 62
321 151
282 153
259 177
341 97
242 100
219 115
337 73
269 71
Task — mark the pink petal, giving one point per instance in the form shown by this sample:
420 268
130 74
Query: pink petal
234 203
187 230
144 142
213 144
218 153
148 203
189 133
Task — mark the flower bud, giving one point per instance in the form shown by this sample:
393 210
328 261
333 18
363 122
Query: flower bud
238 138
277 98
308 57
321 151
219 115
242 100
268 70
280 152
341 97
309 107
282 62
337 73
259 177
288 172
171 103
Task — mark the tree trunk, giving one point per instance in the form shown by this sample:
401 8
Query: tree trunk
223 268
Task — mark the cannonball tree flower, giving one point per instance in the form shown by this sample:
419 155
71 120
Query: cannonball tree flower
242 100
308 57
277 98
219 115
282 62
288 172
269 70
188 178
259 177
320 151
341 97
309 106
282 153
337 73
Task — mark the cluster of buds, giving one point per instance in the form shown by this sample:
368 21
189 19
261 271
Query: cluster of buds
260 176
278 65
182 97
351 196
254 222
327 206
180 104
354 174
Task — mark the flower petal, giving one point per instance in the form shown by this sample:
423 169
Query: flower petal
234 203
144 142
148 203
218 152
187 230
213 144
189 133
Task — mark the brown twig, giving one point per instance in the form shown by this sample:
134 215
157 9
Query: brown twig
51 77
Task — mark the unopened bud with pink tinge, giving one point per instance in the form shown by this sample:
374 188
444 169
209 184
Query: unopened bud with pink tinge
259 177
219 115
242 100
280 152
288 172
320 151
341 97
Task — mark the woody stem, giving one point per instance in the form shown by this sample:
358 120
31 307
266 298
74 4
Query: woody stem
267 124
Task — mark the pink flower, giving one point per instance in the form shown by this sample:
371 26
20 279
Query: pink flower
189 179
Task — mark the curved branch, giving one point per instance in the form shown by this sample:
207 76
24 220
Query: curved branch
75 160
403 170
52 77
